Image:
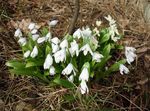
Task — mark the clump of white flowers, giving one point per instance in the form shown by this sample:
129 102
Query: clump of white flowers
74 59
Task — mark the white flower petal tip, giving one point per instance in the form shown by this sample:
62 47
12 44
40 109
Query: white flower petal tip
52 23
74 49
34 31
130 54
52 71
110 19
60 56
98 23
86 48
97 56
35 37
83 87
48 35
55 40
22 41
27 54
84 75
77 34
123 69
68 70
18 33
31 26
71 78
34 52
86 33
41 40
64 44
55 48
48 61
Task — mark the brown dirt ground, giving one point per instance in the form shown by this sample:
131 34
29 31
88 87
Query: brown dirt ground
128 93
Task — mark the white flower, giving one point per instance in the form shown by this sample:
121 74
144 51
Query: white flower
34 52
48 61
52 23
74 49
18 33
64 44
27 54
22 41
60 56
71 78
31 26
52 71
86 33
110 19
55 40
55 47
96 31
123 69
48 36
84 75
83 87
97 56
130 54
35 37
77 34
98 23
34 31
86 48
41 40
68 70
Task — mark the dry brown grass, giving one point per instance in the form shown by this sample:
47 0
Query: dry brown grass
126 93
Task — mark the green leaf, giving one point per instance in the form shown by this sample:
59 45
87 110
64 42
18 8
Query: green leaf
32 63
105 38
106 50
48 49
44 31
63 82
15 64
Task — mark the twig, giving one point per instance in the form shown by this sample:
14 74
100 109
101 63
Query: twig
75 16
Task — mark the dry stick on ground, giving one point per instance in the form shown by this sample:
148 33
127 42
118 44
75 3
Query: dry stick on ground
75 16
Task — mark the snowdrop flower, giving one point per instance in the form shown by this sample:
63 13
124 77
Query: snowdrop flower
130 54
77 34
84 75
98 23
97 56
64 44
41 40
18 33
110 19
31 26
74 49
86 48
48 62
83 87
34 52
35 37
52 23
55 40
55 47
123 69
34 31
27 54
52 71
86 33
48 36
71 78
68 70
60 56
22 41
96 31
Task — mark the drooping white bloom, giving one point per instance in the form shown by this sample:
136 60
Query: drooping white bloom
48 36
83 87
98 23
55 47
55 40
86 48
35 37
34 31
64 44
52 71
71 78
27 54
97 56
110 19
123 69
52 23
60 56
31 26
68 70
86 33
74 49
84 75
41 40
130 54
48 61
77 34
34 52
22 41
18 33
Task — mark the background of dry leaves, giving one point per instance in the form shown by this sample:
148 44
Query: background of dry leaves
129 92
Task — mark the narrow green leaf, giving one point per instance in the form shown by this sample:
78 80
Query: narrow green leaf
34 63
106 50
15 64
105 38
